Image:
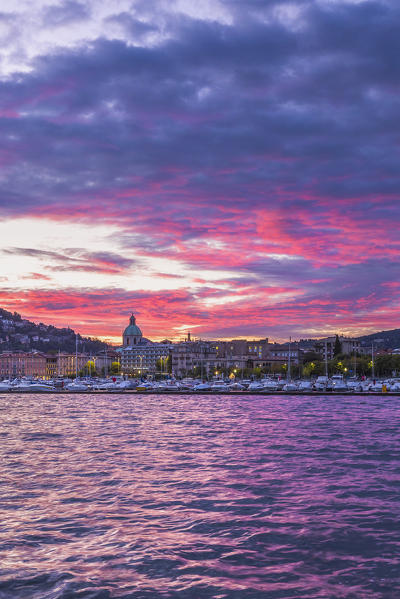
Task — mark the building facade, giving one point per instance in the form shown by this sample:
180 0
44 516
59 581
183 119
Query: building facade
200 358
196 357
104 359
280 353
68 364
145 358
326 347
39 365
140 356
20 364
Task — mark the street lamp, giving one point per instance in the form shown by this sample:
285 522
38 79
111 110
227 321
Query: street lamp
141 363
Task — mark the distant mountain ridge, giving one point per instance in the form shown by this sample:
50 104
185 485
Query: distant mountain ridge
17 333
387 339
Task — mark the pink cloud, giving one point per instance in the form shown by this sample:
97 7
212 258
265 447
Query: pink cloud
104 312
36 276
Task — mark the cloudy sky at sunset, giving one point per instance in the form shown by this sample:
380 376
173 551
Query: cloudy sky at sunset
225 166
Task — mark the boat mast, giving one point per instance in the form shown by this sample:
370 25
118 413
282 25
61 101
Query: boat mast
326 359
373 365
76 355
288 370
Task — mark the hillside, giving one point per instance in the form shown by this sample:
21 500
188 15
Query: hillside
17 333
386 339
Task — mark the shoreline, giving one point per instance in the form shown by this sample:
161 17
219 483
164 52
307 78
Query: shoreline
198 393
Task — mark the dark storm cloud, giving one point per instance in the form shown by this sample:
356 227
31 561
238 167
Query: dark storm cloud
276 106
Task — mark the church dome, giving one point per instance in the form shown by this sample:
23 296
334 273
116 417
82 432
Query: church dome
132 334
132 330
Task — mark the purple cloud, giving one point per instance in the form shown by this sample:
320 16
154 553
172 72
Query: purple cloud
264 147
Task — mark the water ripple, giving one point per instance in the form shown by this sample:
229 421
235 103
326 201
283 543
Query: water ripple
131 497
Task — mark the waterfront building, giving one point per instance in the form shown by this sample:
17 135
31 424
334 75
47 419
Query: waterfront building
244 353
51 366
139 355
196 357
40 365
280 353
19 364
67 364
145 358
103 360
204 357
327 346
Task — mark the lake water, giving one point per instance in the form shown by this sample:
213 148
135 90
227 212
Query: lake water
223 497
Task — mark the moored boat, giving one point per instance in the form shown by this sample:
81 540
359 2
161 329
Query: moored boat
219 386
338 383
202 387
77 387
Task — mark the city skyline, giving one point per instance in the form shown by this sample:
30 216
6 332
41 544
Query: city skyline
188 336
228 169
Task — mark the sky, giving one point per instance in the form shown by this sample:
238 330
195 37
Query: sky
228 167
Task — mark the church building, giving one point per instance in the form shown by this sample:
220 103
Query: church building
139 355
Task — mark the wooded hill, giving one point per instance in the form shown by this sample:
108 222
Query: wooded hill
383 339
17 333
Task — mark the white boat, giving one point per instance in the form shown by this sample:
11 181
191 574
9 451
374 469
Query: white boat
392 384
219 386
280 384
5 386
42 387
236 387
245 383
270 385
126 384
202 387
107 386
144 386
366 385
290 386
338 383
187 384
321 384
255 386
76 387
305 386
354 386
376 387
171 386
33 387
